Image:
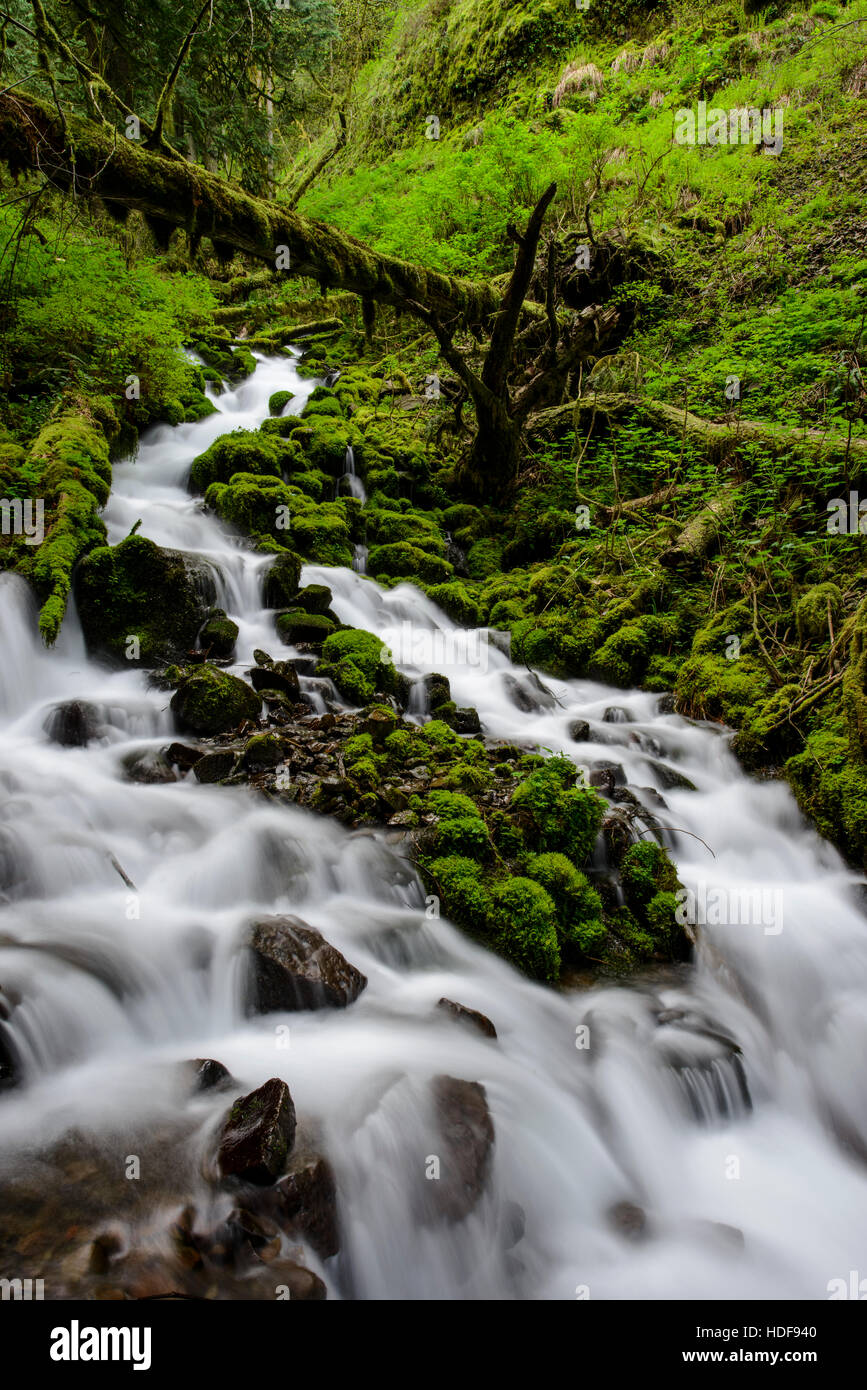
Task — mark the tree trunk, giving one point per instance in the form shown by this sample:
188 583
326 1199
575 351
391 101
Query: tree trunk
102 163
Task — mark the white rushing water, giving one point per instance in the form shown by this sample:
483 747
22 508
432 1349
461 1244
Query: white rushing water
113 985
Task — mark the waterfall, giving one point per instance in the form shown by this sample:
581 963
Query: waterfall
714 1096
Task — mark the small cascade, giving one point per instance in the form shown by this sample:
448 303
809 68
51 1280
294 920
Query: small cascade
351 481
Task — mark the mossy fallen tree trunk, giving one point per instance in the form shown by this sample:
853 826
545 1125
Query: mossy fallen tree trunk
716 438
86 158
702 532
71 457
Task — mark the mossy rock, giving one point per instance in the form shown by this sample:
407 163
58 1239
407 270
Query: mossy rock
244 451
210 701
278 401
218 636
406 561
523 925
313 598
456 600
831 788
358 664
280 585
137 590
300 626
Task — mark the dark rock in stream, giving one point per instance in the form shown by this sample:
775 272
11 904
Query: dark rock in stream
181 756
475 1019
466 1136
293 967
258 1135
528 694
73 724
280 675
208 1075
215 767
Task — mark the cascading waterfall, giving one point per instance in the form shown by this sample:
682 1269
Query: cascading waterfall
719 1097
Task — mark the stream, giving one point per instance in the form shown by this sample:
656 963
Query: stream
749 1165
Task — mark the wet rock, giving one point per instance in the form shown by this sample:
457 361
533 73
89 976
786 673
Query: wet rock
258 1135
210 701
149 767
470 1016
618 832
606 776
465 721
295 1282
665 704
264 751
379 724
628 1220
181 756
616 714
215 767
513 1224
262 658
579 730
73 724
307 1198
528 693
466 1134
10 1060
279 675
669 778
105 1248
293 967
208 1075
437 689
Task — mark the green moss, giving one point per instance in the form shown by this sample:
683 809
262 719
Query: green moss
244 451
831 788
282 580
218 636
137 590
355 661
460 829
299 626
523 924
209 701
278 400
554 813
464 897
456 600
406 561
579 907
817 611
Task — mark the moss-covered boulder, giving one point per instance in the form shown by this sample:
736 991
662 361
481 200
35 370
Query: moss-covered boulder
358 664
297 625
210 701
140 603
314 598
404 560
218 636
278 401
243 451
281 581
